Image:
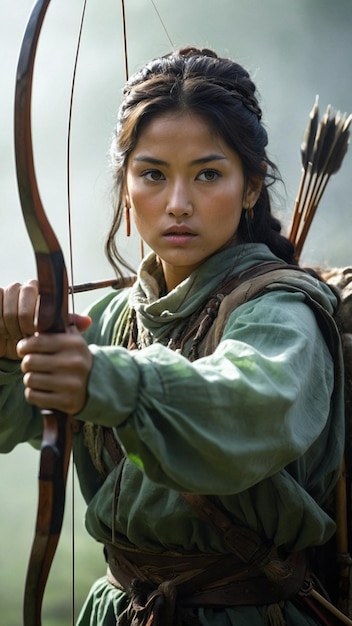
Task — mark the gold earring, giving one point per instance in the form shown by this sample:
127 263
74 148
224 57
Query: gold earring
128 221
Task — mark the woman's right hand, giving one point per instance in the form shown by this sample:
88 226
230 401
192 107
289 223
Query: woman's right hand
17 311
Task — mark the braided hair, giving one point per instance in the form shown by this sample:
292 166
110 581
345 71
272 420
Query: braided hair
222 92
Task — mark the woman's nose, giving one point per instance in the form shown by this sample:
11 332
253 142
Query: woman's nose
179 200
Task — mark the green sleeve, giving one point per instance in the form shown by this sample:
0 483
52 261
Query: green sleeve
20 422
219 425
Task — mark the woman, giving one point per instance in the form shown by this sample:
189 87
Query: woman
168 406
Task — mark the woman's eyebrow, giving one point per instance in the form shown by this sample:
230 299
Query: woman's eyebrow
208 158
145 158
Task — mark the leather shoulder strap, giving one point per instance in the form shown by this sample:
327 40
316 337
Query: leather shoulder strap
274 278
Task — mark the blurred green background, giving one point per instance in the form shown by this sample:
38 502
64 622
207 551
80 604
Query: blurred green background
294 50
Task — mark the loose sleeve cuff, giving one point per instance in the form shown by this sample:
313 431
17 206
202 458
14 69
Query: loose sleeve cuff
112 388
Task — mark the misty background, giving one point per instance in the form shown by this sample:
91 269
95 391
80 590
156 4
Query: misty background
294 50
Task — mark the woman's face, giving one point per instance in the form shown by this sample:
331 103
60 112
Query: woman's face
186 189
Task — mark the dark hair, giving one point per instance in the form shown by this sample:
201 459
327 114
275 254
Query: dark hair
222 92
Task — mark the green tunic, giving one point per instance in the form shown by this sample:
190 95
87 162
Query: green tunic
259 423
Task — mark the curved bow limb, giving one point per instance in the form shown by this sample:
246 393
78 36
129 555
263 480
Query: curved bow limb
52 316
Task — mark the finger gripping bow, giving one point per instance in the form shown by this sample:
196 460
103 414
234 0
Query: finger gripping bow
52 317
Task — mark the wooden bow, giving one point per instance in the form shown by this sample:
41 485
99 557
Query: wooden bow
51 317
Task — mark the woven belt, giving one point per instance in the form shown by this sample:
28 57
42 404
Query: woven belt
197 580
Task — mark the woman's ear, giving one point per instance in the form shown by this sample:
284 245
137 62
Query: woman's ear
126 198
253 190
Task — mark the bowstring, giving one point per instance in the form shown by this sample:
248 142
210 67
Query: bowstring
73 82
163 24
69 207
68 157
71 272
124 38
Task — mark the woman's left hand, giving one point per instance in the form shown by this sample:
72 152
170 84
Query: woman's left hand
56 368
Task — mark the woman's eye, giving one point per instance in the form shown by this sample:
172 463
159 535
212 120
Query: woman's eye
208 175
153 175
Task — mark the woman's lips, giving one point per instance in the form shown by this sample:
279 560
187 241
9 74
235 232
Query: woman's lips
179 235
180 238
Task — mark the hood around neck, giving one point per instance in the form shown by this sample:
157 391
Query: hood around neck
157 312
